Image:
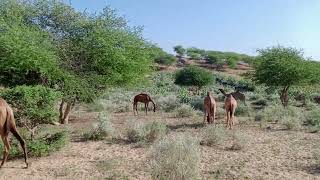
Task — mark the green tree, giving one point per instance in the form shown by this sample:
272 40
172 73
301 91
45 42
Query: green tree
283 67
80 54
193 76
179 50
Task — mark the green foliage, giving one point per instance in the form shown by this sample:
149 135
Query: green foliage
27 53
166 59
280 66
41 146
197 102
195 53
179 50
34 104
244 110
232 63
193 76
313 118
175 158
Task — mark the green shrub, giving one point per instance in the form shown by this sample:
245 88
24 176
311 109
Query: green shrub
214 135
175 158
193 76
232 63
40 146
168 103
166 59
100 130
184 111
34 104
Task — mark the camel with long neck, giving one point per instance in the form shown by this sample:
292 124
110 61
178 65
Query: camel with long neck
230 105
239 96
143 98
210 108
7 124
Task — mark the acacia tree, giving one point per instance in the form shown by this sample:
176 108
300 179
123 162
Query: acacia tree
283 68
76 53
179 50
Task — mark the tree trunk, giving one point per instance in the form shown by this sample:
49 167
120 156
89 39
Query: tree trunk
67 111
61 112
284 96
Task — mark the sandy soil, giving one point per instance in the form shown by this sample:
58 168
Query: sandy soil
270 154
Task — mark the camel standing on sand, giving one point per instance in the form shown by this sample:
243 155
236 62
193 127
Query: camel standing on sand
230 105
144 98
7 124
210 108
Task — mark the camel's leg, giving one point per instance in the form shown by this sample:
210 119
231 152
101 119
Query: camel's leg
205 117
22 143
214 116
232 116
226 117
5 150
229 120
146 107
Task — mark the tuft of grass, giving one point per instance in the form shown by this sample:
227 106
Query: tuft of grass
214 135
313 118
175 158
184 111
100 130
244 110
197 103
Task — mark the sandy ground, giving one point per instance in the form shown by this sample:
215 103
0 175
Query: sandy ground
270 154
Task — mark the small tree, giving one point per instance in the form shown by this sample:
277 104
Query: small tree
193 76
179 50
283 67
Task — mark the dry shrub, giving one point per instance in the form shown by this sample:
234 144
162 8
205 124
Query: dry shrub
176 158
214 135
184 111
148 133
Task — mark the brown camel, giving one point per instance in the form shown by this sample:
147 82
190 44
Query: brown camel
144 98
230 105
7 124
210 108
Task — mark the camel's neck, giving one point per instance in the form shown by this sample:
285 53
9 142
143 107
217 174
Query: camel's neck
223 92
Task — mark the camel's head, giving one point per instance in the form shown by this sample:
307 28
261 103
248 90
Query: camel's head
208 93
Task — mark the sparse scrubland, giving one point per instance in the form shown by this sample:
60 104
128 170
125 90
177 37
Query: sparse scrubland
71 85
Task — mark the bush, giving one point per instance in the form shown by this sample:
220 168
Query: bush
34 104
193 76
291 123
232 63
214 135
243 110
41 146
184 111
168 103
313 118
154 131
197 103
291 117
102 129
175 158
148 133
166 59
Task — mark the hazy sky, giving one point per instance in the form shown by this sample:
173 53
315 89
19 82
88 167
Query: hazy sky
227 25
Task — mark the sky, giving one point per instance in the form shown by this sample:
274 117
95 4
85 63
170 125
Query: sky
225 25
